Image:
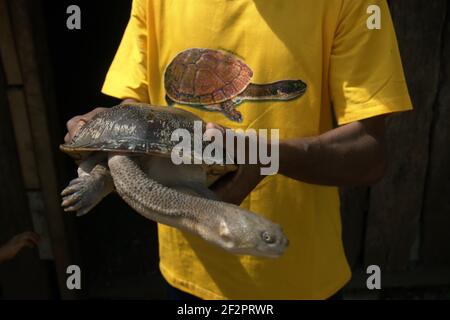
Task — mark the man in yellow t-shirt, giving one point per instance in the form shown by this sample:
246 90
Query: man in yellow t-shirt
353 74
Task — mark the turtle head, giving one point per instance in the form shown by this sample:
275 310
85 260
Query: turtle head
288 89
243 232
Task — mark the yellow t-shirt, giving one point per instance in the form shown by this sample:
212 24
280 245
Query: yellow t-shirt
349 69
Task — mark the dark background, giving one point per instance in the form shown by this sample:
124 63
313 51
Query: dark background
49 74
119 251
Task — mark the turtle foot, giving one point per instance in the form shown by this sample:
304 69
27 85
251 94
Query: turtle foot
84 193
235 117
229 109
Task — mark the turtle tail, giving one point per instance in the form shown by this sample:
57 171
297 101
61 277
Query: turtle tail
280 90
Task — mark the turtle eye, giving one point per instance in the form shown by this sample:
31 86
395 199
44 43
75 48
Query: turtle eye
267 237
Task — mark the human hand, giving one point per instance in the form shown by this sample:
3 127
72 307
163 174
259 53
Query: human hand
235 186
74 124
12 247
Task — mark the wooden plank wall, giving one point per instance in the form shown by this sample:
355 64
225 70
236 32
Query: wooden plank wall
26 276
29 101
435 248
402 224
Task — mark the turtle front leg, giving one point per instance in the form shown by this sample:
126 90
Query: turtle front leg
229 109
85 192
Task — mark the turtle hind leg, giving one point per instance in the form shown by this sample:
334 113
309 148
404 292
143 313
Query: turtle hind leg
228 108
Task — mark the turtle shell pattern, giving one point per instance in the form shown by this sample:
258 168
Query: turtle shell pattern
132 128
204 76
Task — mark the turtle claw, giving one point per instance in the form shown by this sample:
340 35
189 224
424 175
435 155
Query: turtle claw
66 202
81 195
70 189
229 109
79 211
71 208
70 199
77 180
235 116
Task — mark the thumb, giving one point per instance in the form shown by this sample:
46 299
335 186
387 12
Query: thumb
212 127
213 130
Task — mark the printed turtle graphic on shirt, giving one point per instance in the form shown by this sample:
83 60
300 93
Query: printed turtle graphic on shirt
220 81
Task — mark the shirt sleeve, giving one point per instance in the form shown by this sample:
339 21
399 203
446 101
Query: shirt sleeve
366 73
127 75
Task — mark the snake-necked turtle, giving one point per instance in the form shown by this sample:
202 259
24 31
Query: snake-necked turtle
127 148
220 81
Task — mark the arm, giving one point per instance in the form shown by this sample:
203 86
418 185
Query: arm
353 154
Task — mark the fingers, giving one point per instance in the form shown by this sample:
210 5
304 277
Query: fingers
75 124
28 244
34 238
213 131
67 138
28 238
18 242
212 125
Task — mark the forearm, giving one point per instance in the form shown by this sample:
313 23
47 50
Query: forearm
349 155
